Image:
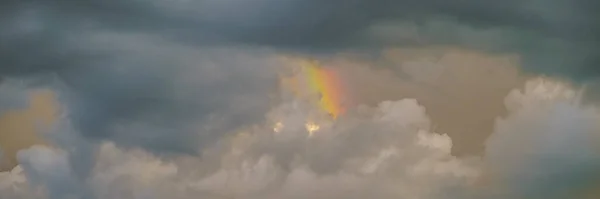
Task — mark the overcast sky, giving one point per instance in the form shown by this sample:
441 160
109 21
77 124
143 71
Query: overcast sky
179 78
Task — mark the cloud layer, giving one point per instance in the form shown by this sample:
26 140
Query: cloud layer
179 99
387 151
557 36
126 66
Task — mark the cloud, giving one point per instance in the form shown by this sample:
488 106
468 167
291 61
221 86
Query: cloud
116 84
164 89
546 148
445 80
557 37
32 112
254 165
120 62
14 184
13 96
45 167
384 151
167 89
178 99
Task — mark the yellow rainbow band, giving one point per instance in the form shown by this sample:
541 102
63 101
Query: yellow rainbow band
326 83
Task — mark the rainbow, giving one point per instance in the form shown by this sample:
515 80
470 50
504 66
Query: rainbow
324 83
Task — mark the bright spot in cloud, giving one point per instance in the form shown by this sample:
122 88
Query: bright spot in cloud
278 127
311 128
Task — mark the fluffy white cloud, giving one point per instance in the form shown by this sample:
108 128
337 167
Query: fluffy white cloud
546 147
387 152
14 185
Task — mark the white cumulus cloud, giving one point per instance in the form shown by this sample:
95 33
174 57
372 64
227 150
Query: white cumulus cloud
541 149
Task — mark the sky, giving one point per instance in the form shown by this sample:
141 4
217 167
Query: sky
150 99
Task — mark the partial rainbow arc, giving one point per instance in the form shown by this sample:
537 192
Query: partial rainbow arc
325 83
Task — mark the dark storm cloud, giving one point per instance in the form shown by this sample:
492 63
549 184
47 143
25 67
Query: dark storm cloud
546 31
121 60
136 88
158 94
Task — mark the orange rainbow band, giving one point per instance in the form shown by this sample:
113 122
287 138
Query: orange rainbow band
326 83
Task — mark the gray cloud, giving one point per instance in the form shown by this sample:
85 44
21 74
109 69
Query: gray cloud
340 161
174 76
541 149
167 91
13 96
554 154
445 80
558 37
120 86
87 44
45 167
